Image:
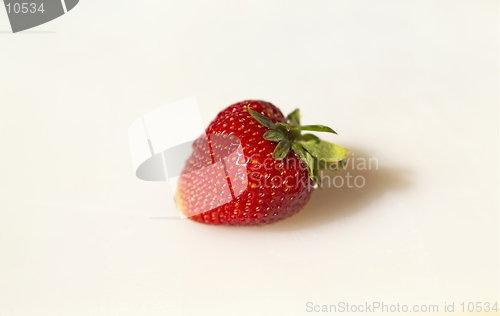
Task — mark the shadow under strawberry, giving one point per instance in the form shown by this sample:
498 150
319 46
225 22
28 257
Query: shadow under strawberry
335 201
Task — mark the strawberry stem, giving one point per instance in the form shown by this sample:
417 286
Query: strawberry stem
314 152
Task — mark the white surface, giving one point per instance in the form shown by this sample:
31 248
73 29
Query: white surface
411 83
174 124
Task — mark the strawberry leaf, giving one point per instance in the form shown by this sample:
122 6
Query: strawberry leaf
282 126
316 176
305 157
325 151
282 149
316 128
261 118
274 135
309 137
294 117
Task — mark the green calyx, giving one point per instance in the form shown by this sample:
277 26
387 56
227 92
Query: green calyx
314 152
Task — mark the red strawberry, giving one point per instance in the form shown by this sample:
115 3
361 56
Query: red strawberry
242 171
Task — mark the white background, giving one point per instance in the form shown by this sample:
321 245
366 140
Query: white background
411 83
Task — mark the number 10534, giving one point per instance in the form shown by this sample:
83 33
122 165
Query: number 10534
479 307
24 8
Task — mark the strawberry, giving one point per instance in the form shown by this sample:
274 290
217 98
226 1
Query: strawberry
253 166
